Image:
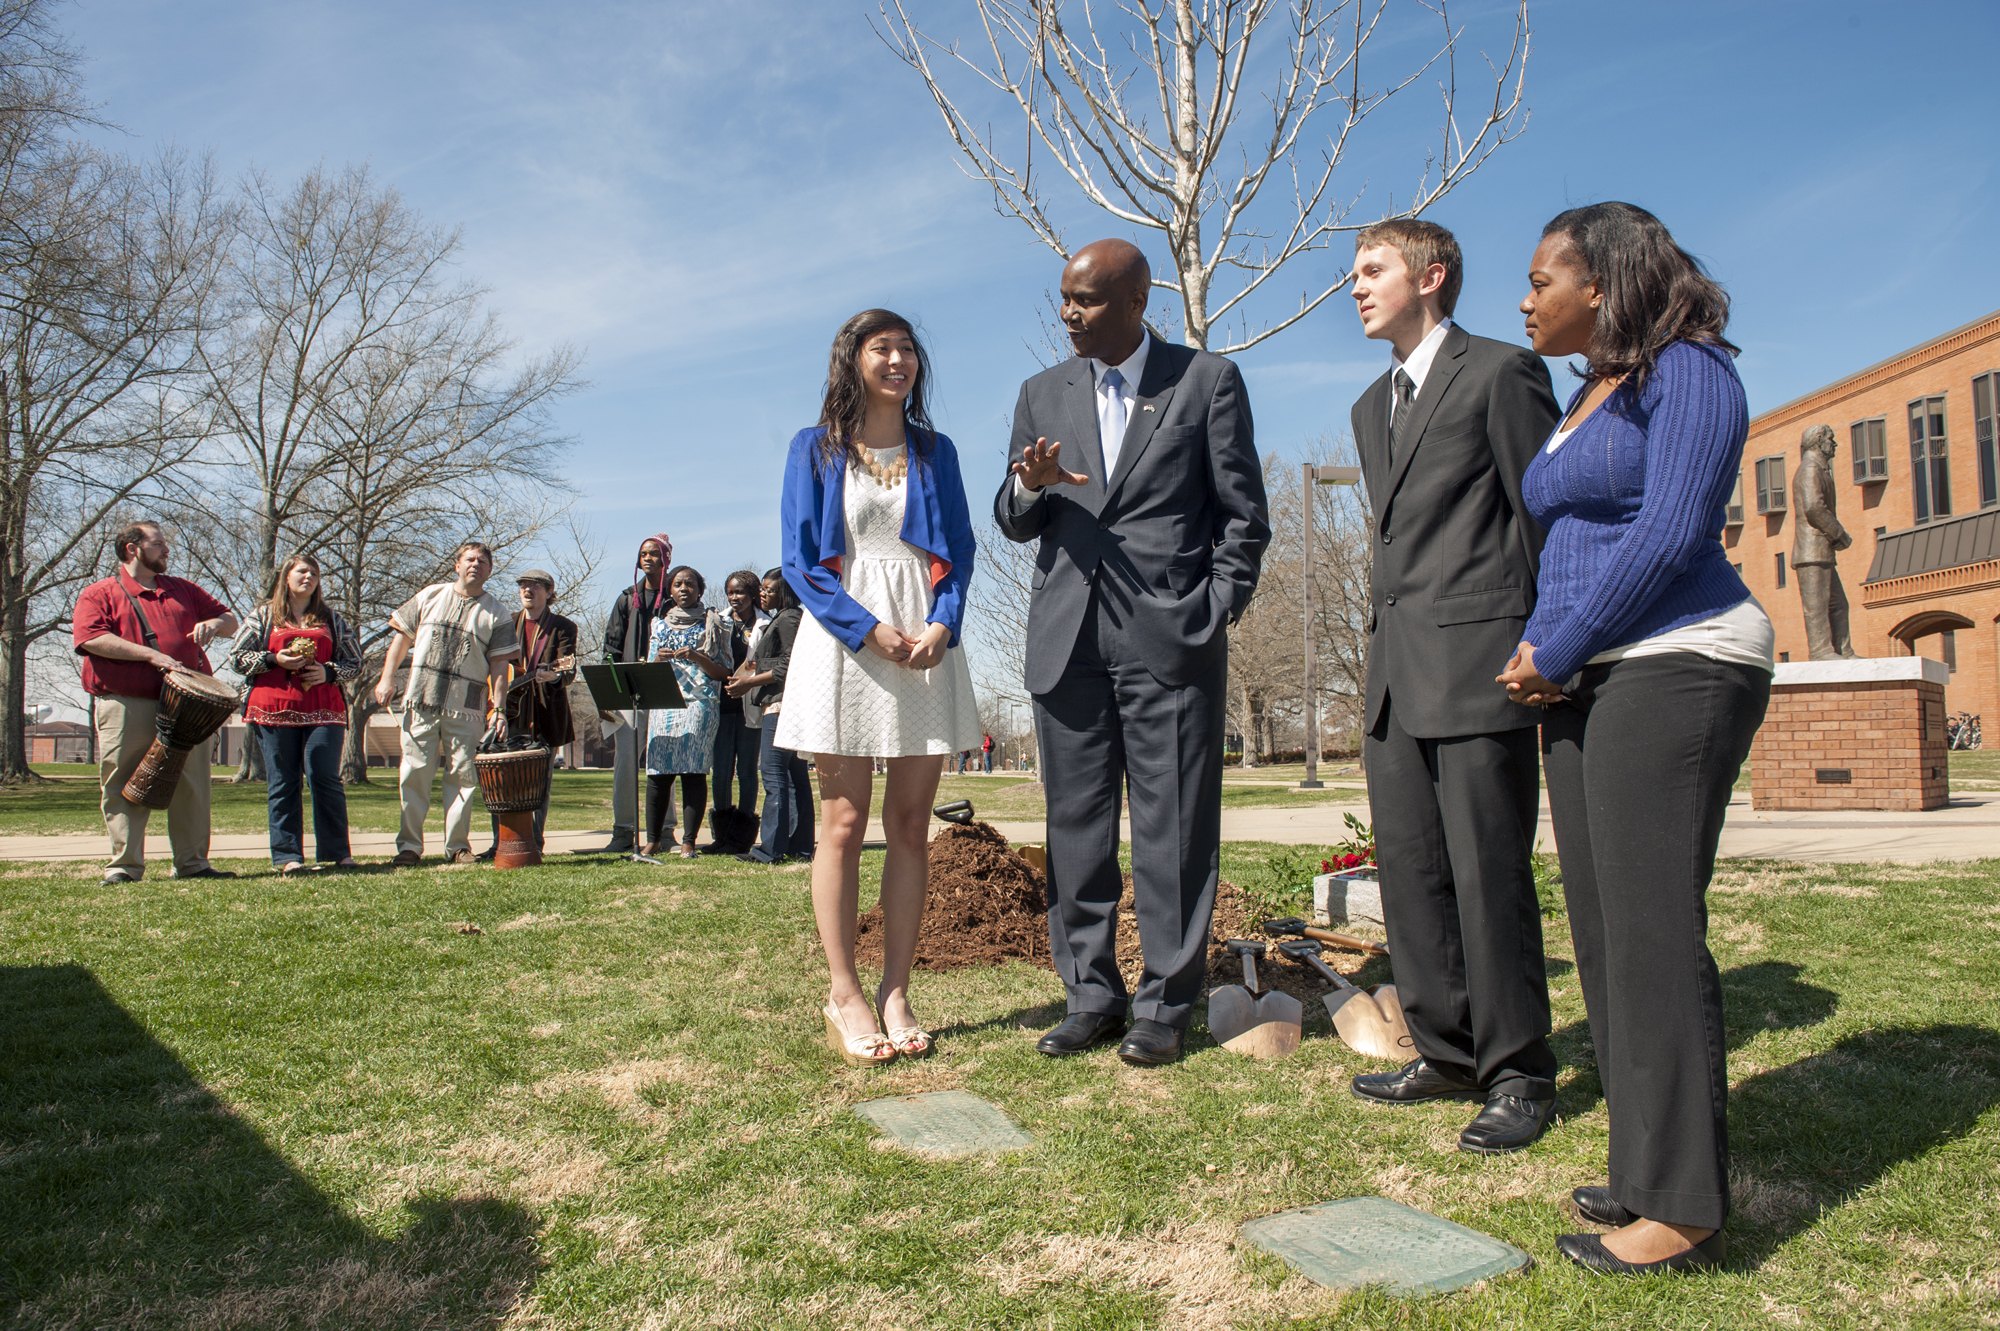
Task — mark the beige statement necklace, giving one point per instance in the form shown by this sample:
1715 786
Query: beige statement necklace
891 476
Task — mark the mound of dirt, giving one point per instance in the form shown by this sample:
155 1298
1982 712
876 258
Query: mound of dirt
987 905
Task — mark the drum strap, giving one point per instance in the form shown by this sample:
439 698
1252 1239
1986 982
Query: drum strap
145 626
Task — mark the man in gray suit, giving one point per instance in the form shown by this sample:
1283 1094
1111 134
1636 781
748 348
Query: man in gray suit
1453 766
1148 551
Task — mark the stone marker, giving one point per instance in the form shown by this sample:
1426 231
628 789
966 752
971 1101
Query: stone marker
1351 896
946 1123
1361 1241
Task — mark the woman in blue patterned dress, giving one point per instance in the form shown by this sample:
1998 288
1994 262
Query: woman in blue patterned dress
681 743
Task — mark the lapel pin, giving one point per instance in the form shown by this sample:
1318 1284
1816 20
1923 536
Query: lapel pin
1147 407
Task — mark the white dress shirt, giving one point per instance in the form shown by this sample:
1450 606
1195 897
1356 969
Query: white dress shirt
1110 439
1418 366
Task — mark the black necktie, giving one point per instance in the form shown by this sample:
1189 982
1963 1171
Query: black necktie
1406 393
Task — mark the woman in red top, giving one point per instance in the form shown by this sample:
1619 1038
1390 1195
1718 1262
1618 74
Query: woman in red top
297 652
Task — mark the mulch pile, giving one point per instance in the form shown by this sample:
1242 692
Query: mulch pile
987 905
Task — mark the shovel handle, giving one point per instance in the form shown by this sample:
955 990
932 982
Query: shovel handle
1307 950
1298 928
1247 951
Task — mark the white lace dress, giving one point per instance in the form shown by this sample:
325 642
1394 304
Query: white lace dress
856 703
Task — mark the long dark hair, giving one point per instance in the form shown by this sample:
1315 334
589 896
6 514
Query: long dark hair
316 614
787 598
845 407
1654 292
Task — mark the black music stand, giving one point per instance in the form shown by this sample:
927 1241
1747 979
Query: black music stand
638 687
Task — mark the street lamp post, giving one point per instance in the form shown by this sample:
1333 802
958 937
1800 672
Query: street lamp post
1316 475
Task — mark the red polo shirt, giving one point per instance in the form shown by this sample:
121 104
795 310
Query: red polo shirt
173 607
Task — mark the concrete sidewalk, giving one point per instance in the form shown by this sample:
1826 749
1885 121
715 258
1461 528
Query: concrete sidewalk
1968 828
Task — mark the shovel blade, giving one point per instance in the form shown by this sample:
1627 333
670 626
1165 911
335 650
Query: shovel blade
1370 1022
1231 1011
1274 1030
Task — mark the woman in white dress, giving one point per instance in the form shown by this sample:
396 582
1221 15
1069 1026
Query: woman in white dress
878 546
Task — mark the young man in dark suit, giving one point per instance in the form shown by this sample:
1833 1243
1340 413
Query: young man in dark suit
1453 766
1145 554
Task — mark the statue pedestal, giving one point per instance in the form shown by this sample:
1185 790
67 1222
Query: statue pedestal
1855 734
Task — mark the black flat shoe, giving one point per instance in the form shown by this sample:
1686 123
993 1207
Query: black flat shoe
1507 1123
207 871
1589 1252
1413 1083
1596 1206
1151 1044
1078 1032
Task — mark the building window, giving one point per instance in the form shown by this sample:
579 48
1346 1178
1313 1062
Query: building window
1784 657
1930 468
1951 651
1870 443
1985 389
1771 484
1781 572
1734 515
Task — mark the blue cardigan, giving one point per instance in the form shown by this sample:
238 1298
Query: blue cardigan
935 520
1633 504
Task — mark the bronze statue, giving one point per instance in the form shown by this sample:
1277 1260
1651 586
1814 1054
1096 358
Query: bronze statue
1819 537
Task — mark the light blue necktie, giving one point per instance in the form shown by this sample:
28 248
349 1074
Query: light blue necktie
1112 420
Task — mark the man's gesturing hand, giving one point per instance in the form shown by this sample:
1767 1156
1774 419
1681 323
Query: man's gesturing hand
1039 466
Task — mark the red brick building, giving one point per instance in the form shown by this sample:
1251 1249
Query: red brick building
1919 490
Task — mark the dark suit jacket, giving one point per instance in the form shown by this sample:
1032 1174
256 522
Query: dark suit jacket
1453 577
1172 540
542 710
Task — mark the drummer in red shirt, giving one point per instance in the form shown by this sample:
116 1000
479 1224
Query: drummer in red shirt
122 675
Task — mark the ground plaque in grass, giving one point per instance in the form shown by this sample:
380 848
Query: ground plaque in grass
947 1123
1361 1241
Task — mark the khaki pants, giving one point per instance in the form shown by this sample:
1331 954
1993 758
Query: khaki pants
125 730
428 743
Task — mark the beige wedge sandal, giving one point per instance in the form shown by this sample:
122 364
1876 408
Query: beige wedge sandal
868 1049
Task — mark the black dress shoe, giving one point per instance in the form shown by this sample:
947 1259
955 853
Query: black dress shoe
1596 1206
207 871
1589 1252
1415 1081
1151 1044
1507 1123
1079 1031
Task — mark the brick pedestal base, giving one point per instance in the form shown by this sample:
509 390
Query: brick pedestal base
1865 734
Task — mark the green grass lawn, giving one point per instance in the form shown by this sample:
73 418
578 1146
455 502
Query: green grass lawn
580 800
328 1103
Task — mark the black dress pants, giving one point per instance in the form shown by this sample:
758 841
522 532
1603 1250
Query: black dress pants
1454 831
1640 768
1107 729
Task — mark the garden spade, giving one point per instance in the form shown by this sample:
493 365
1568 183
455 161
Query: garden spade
1368 1021
1244 1023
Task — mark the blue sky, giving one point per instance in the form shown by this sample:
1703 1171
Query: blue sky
696 194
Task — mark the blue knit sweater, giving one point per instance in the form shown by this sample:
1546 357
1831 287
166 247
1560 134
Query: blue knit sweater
1633 504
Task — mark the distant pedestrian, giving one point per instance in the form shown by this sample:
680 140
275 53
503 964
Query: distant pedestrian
682 741
297 652
130 629
458 640
964 757
986 751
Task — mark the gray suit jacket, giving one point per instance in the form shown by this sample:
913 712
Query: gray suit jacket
1172 541
1455 553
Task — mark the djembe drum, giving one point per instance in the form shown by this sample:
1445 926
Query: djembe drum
514 785
192 708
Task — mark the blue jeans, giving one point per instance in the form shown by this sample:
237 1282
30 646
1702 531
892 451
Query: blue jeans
738 749
291 755
787 827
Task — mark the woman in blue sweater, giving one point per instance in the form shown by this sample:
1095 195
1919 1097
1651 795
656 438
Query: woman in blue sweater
1654 663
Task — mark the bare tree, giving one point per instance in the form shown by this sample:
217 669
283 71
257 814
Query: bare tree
1087 93
107 272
